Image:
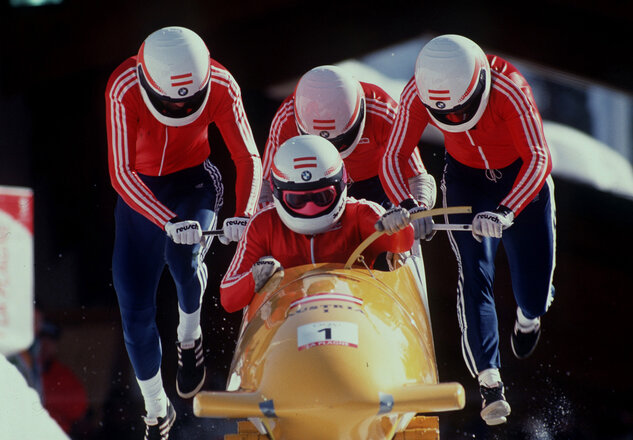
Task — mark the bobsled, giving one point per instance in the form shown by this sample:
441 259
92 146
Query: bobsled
333 351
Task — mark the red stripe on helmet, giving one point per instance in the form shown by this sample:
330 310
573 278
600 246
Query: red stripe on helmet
433 93
323 124
182 83
305 162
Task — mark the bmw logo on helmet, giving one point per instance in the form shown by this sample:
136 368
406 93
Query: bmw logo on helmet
440 104
306 175
183 91
324 134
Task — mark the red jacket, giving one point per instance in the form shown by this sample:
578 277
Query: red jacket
509 129
139 143
363 163
266 235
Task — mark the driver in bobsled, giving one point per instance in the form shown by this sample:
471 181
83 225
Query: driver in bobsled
312 220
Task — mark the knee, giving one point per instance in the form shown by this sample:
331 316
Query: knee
139 325
536 308
183 262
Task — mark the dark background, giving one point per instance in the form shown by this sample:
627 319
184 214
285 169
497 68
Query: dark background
54 65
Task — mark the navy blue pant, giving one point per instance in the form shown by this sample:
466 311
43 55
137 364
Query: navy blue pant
142 249
529 245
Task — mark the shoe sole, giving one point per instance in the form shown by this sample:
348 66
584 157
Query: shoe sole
496 413
495 422
195 390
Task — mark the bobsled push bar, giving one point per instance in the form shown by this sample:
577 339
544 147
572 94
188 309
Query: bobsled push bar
436 226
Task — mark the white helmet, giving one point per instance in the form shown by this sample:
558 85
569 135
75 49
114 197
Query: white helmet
309 184
452 75
174 71
330 103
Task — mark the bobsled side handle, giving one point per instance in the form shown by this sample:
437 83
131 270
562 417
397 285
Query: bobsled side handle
429 213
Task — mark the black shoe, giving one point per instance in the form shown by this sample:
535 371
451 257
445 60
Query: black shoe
524 342
494 408
191 369
158 428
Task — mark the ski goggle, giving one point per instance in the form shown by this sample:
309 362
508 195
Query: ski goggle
310 203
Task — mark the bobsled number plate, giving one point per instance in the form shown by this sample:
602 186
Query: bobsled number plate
327 333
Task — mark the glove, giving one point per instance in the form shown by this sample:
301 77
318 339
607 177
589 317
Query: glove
492 223
423 188
233 228
423 227
263 269
183 231
393 220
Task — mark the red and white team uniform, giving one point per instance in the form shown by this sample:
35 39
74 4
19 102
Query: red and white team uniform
138 143
364 162
510 128
267 235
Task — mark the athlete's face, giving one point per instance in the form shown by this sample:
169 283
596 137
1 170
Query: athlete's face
173 106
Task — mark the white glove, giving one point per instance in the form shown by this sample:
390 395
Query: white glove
492 223
183 231
423 226
263 269
393 220
424 189
233 228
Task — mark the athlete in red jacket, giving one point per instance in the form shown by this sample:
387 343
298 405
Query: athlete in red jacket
357 118
312 221
498 162
159 105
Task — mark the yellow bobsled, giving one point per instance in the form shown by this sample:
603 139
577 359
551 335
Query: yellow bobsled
329 351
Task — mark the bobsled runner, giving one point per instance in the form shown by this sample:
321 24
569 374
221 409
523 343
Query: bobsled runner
332 351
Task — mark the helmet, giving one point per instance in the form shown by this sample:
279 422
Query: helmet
309 184
174 71
452 75
330 103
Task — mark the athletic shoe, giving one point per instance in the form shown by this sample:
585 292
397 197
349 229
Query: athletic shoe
158 428
191 369
494 408
524 340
